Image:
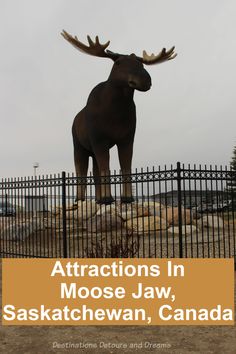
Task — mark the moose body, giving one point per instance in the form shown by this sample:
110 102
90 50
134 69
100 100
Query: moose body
109 117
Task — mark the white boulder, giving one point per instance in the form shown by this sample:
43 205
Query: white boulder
187 230
145 224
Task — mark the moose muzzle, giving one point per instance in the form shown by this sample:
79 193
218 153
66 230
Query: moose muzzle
141 82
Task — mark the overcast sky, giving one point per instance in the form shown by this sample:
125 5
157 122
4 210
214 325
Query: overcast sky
189 115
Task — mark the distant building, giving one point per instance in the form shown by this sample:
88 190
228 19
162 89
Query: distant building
191 198
36 203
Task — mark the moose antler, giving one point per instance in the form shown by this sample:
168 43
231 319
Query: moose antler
95 48
99 50
159 58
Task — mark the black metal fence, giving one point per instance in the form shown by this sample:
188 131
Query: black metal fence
177 212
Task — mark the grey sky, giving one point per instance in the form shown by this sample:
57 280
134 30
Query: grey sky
188 115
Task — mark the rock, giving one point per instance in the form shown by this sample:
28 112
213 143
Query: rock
132 210
187 230
172 216
145 224
56 211
107 209
154 208
84 210
211 221
55 223
18 231
87 209
73 206
106 219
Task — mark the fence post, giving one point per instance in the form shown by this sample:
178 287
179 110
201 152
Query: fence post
179 194
64 214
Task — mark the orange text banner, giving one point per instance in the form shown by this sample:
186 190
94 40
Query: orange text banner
118 292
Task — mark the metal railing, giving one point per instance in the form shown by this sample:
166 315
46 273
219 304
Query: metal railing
176 212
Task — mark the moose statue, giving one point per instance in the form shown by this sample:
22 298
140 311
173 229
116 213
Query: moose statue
109 117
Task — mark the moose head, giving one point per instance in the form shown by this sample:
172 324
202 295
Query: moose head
109 117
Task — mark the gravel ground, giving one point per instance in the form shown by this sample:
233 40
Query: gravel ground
204 244
117 339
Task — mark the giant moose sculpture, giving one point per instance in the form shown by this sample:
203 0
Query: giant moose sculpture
109 117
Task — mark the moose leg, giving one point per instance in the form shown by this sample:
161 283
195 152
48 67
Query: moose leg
125 153
81 158
102 158
97 180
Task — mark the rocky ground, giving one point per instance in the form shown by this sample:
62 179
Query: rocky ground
149 229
